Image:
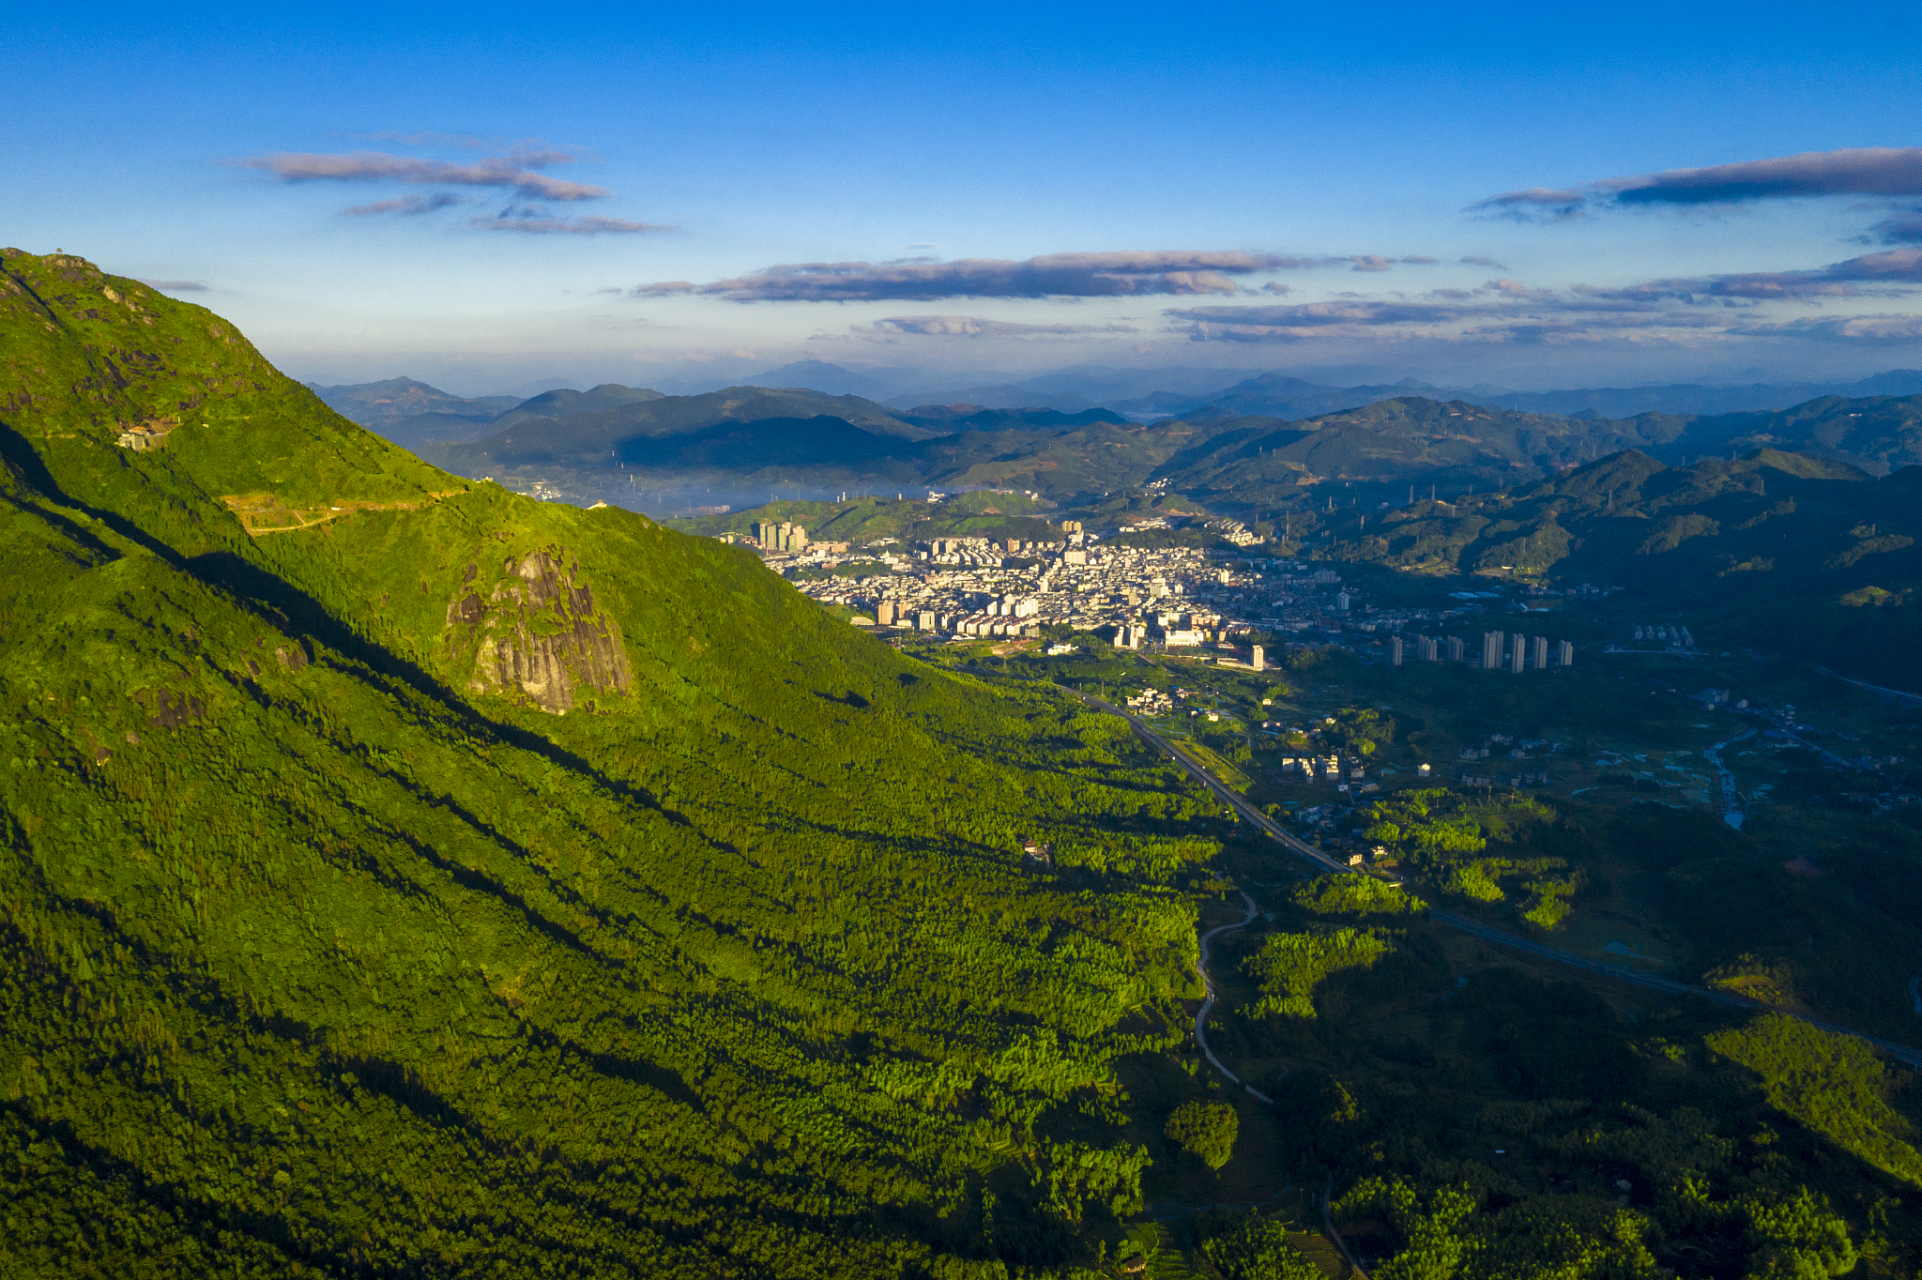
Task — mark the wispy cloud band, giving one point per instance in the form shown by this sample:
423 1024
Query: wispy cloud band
519 171
975 327
402 205
584 226
1894 270
1059 275
1856 171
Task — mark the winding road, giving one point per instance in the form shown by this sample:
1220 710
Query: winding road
1208 986
1725 778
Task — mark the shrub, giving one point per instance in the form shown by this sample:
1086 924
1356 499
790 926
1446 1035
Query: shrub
1206 1130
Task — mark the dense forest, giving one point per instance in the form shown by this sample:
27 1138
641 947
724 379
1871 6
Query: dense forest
333 947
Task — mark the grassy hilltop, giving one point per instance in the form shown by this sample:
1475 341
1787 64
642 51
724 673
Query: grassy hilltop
332 948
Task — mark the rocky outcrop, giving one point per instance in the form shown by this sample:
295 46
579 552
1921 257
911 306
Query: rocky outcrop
537 632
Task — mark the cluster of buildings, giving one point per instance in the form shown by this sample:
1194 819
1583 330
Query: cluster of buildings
1234 531
969 585
148 434
1152 702
1659 639
1500 651
1166 598
1500 745
784 536
1343 772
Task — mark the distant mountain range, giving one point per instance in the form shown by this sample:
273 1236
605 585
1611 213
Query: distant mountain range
1267 441
1008 396
736 430
561 403
1283 396
1212 394
1242 464
1143 394
380 405
414 414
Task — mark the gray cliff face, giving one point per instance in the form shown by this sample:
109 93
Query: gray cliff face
538 633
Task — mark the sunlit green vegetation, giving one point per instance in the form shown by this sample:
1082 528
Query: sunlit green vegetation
1349 895
1205 1130
1832 1083
1257 1248
325 949
1290 966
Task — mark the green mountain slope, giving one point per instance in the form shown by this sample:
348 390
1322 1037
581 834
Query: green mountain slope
1080 464
1879 434
561 403
1259 461
331 946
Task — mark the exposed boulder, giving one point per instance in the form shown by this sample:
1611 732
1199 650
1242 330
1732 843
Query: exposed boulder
538 633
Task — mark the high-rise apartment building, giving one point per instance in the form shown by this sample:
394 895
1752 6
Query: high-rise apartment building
1538 652
1457 650
780 537
1567 655
1492 650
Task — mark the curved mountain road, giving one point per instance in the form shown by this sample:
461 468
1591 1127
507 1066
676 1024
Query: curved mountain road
1725 778
1208 987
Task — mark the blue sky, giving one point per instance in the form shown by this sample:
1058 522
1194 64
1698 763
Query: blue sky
601 198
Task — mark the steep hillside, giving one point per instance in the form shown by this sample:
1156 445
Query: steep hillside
407 878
